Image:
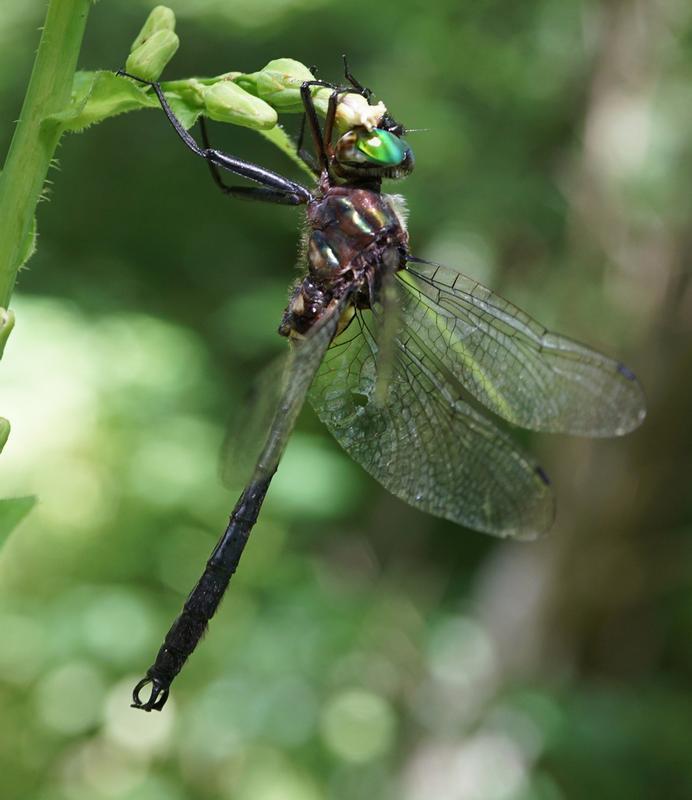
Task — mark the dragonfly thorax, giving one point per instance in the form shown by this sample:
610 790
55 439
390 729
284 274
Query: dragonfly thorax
354 235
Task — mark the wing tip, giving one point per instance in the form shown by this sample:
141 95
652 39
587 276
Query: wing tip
624 370
620 414
636 411
542 474
537 516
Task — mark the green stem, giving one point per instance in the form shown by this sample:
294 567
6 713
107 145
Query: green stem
33 144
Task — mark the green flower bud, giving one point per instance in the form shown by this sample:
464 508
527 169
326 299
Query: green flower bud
4 432
160 19
225 101
148 60
279 84
190 91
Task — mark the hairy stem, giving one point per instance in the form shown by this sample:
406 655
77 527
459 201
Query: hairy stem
34 142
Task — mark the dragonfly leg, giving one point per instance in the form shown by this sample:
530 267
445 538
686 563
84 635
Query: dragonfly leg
367 93
306 156
244 169
331 114
261 193
313 121
322 139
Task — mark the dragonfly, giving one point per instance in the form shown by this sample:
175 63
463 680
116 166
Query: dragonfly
398 356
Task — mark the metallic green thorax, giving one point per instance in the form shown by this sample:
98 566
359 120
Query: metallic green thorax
382 147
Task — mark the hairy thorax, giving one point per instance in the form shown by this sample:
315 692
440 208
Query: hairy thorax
354 236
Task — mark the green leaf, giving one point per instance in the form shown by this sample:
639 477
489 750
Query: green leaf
12 512
97 96
278 137
6 324
4 432
186 113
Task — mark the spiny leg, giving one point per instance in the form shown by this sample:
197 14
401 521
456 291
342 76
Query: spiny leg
330 119
244 169
314 123
306 156
367 93
261 193
387 122
321 140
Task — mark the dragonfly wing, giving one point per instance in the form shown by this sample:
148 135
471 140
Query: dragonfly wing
518 369
248 427
279 395
424 443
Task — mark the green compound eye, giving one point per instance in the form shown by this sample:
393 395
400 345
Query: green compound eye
382 147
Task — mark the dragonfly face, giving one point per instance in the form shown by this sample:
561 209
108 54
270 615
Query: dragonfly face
379 153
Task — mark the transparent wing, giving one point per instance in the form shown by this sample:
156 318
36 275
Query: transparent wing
303 362
514 366
424 443
279 394
247 428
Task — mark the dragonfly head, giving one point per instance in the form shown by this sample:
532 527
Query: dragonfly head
362 154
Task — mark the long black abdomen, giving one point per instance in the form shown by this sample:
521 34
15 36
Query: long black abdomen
201 605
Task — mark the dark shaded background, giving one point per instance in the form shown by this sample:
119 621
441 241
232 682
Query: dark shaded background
365 649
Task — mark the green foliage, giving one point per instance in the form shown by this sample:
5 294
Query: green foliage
150 58
29 244
278 137
96 96
35 138
160 20
224 101
7 320
253 101
4 432
155 45
278 84
12 511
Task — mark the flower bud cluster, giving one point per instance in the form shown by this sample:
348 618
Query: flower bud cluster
155 45
253 100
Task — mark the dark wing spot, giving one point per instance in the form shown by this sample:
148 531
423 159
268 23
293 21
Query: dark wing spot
626 372
543 476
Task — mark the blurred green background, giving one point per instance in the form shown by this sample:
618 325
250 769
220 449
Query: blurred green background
365 650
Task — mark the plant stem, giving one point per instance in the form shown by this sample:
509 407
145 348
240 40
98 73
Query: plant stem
34 143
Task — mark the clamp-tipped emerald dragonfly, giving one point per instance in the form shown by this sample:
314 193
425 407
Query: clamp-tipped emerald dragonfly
394 354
